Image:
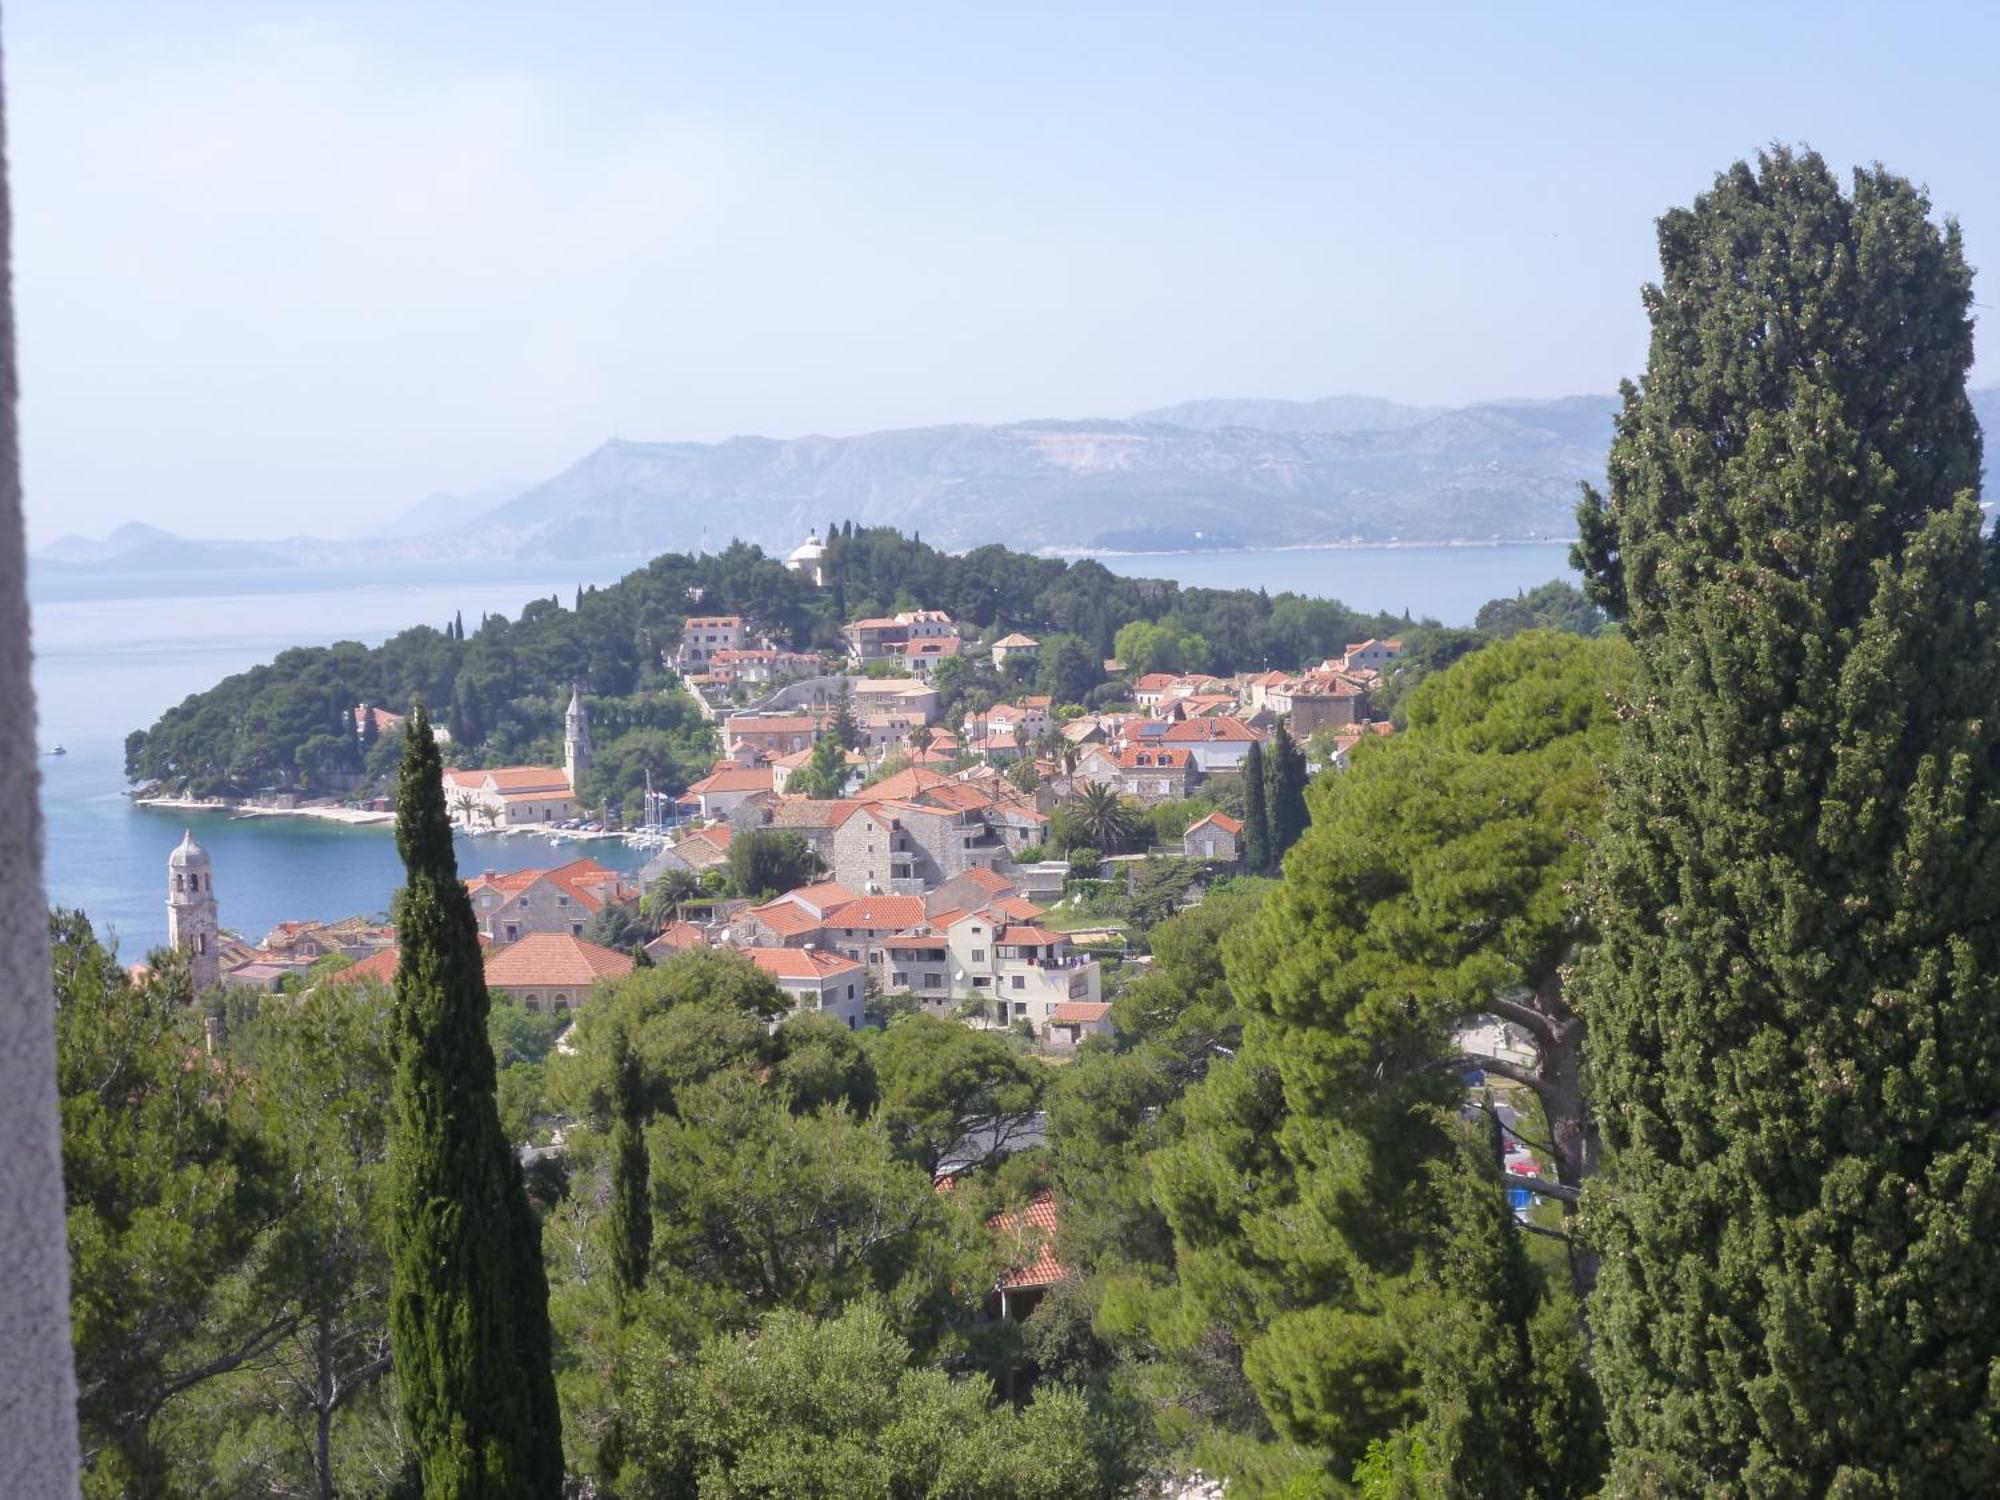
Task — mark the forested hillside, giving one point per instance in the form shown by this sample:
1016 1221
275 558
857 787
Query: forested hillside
499 684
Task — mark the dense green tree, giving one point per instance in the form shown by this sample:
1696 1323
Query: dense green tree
826 774
1256 812
844 729
310 1414
811 1410
1284 793
615 924
951 1094
169 1191
1326 1222
629 1224
1795 1002
468 1314
766 862
1068 669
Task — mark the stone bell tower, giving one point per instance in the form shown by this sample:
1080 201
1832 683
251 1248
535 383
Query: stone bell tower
576 737
193 925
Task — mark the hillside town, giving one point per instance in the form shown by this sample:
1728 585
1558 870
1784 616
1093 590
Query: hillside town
946 864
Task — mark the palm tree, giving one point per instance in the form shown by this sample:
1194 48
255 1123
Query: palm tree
1105 817
663 901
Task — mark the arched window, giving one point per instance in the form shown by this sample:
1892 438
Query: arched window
561 1002
534 1007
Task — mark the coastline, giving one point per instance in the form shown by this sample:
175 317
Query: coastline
367 818
329 814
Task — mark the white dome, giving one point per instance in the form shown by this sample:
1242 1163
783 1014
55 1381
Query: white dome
810 550
187 852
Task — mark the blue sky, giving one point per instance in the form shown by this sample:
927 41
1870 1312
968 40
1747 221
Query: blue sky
289 267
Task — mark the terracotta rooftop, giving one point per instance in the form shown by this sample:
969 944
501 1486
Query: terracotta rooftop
380 967
542 959
1080 1012
1032 1231
1220 729
734 779
1221 820
801 963
878 913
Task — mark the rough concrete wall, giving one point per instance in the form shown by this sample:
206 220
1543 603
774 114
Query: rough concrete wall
37 1384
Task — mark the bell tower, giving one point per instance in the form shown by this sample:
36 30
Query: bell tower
193 925
576 737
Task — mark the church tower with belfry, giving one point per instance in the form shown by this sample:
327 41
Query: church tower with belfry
576 738
193 924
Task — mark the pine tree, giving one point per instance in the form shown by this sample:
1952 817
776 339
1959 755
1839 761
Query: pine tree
1285 792
629 1225
468 1309
845 729
1793 1008
1256 812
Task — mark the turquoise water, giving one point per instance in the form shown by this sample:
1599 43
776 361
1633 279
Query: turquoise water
111 655
107 665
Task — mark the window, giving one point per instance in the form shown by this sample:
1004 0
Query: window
576 929
933 981
979 955
513 932
1020 983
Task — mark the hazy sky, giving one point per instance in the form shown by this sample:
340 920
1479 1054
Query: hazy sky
289 267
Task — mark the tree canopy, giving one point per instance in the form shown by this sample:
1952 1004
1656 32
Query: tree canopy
1793 1006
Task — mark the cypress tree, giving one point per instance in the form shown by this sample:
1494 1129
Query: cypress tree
845 729
468 1301
458 623
629 1225
1284 792
1256 813
1793 1008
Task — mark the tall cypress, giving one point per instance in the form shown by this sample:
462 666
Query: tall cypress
1285 792
1793 1008
468 1301
1256 812
629 1225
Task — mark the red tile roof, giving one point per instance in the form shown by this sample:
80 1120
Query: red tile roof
377 966
1029 937
801 963
544 959
907 782
878 913
1032 1231
1221 820
1219 729
678 937
1079 1013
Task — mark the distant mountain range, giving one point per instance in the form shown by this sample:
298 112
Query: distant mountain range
1202 475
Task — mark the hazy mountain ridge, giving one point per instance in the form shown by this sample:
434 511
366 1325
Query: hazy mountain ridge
1220 474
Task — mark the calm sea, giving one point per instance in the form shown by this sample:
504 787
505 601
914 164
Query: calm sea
112 654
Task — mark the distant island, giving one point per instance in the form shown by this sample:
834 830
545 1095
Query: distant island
1201 476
